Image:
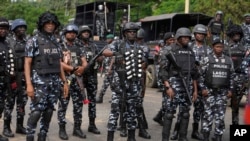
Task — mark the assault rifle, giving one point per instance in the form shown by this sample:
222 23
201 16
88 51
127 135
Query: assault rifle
172 60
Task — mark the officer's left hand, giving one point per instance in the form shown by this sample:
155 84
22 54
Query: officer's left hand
79 71
65 90
195 95
229 94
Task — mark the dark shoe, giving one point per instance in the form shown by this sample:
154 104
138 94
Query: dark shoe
206 136
195 133
62 132
19 126
78 132
6 139
99 99
110 136
176 131
131 135
92 127
144 134
217 138
6 130
123 132
41 137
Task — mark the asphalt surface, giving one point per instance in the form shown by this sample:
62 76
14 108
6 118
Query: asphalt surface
152 103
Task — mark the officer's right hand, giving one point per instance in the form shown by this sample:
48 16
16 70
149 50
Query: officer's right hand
30 91
170 93
205 93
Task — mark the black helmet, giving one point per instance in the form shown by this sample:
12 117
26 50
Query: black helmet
200 28
130 26
168 35
183 31
140 33
85 28
234 29
46 17
4 23
18 22
70 28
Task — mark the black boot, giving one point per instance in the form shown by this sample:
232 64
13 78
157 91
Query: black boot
205 136
6 139
77 131
6 129
167 123
195 133
19 126
183 129
123 132
142 129
41 137
100 98
131 135
235 118
158 118
92 127
217 138
62 132
176 131
110 136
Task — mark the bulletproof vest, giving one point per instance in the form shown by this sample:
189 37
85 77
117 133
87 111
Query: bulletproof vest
133 58
75 52
48 60
237 55
3 54
90 51
216 27
19 52
218 72
185 59
100 15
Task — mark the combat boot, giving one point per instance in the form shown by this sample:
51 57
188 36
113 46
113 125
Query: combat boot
176 131
4 139
167 123
19 126
77 131
131 135
110 136
6 129
158 118
206 136
62 132
92 127
217 138
123 132
99 99
235 118
41 137
183 129
142 129
195 133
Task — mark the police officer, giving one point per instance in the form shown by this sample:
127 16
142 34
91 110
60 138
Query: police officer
127 75
141 118
246 30
17 43
179 70
90 75
216 26
201 51
42 75
217 85
100 21
236 51
106 67
4 70
168 41
74 62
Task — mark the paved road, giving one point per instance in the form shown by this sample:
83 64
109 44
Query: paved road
152 104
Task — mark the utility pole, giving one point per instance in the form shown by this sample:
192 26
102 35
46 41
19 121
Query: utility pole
187 3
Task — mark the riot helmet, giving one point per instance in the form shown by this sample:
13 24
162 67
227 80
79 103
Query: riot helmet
4 23
168 35
183 31
47 17
70 28
18 22
219 13
234 29
130 26
84 28
200 28
140 33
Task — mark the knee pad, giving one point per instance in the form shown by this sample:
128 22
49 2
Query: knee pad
34 117
185 115
169 116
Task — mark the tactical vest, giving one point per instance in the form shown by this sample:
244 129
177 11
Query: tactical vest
216 27
3 54
133 58
237 55
19 53
48 60
218 72
185 59
75 52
